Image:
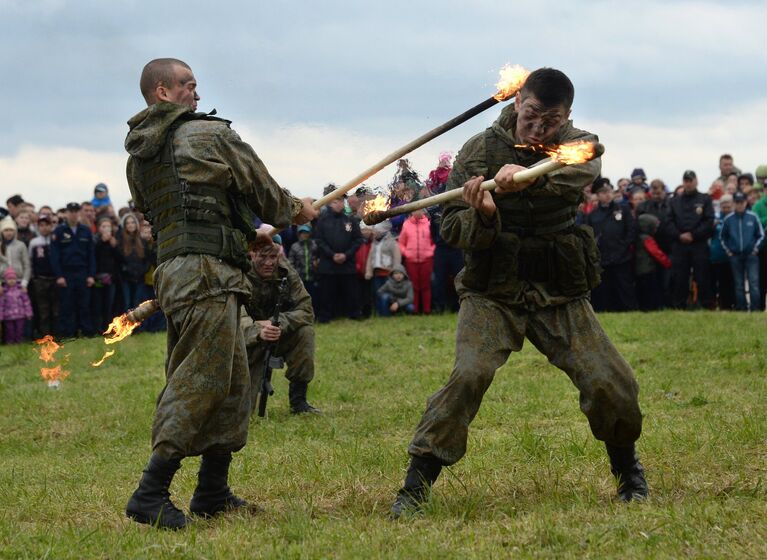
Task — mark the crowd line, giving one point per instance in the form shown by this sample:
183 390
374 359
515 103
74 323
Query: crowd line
70 271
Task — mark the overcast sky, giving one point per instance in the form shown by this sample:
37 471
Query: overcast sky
324 89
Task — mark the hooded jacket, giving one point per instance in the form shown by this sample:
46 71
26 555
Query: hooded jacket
15 254
401 292
415 240
207 152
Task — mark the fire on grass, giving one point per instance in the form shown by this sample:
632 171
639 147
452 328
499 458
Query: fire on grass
47 348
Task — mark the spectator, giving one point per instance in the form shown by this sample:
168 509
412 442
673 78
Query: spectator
638 196
690 225
15 205
108 259
650 259
731 183
157 321
15 308
45 303
338 238
303 257
364 284
745 182
438 176
24 231
615 231
74 264
638 181
134 261
741 236
448 262
13 253
417 249
88 216
760 209
622 188
396 295
727 168
722 285
100 196
384 255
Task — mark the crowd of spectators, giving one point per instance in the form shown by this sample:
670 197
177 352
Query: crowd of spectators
70 271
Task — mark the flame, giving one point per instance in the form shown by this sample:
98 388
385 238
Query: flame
512 79
120 328
378 204
53 374
48 347
107 354
569 154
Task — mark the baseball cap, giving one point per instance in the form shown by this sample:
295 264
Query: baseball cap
101 187
73 207
305 228
689 175
638 172
738 196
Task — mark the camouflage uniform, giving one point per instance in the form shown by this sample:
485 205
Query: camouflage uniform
296 343
205 405
528 271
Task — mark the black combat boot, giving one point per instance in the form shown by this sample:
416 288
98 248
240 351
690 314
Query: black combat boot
628 471
213 495
297 398
150 503
421 474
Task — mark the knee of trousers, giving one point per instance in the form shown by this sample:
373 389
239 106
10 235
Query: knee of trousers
299 354
614 415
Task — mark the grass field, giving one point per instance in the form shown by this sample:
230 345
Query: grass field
533 484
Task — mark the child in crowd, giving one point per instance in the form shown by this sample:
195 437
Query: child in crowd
13 253
384 255
15 308
417 248
101 196
364 290
396 294
648 256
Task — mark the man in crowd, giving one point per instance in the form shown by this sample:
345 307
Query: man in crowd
727 168
528 273
88 216
760 209
742 236
74 264
42 287
15 204
616 231
294 336
690 225
338 237
200 184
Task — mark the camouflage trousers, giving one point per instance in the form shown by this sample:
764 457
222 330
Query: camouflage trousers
205 405
571 338
296 348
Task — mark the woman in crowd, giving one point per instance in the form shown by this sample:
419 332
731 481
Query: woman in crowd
135 261
108 259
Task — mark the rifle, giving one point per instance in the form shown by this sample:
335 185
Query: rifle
270 360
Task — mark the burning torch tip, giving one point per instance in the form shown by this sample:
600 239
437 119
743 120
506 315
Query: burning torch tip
374 217
599 149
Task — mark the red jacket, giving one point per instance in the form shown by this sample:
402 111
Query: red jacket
361 258
415 241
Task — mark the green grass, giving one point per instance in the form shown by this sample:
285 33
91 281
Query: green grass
533 484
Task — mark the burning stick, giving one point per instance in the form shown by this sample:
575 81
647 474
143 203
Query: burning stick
512 79
560 156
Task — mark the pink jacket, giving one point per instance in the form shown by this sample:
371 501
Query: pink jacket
415 239
14 304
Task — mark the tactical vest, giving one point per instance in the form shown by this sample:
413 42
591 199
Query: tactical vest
190 218
522 212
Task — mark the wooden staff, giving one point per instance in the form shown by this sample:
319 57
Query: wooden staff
539 169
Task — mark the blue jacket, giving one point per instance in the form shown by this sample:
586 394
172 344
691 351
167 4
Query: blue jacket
742 234
73 252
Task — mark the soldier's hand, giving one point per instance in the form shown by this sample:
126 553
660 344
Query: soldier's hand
505 179
269 332
478 198
61 282
307 213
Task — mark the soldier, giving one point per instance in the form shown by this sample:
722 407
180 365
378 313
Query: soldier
294 335
528 273
198 182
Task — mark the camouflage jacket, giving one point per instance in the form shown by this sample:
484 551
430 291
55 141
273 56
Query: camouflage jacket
206 152
494 257
296 309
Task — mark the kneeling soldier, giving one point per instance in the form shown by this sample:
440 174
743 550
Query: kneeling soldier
294 335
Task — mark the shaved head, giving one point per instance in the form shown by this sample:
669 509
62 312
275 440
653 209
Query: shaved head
160 71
